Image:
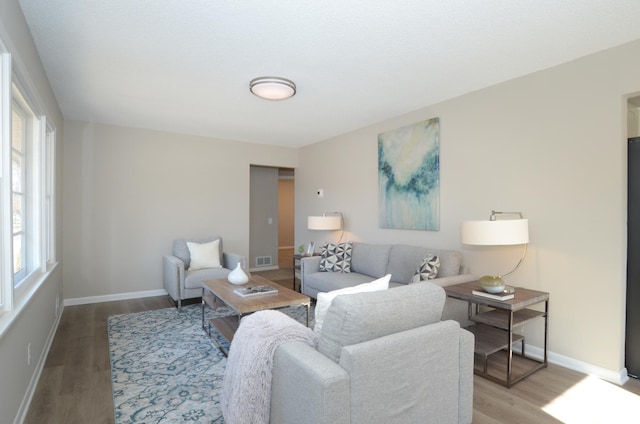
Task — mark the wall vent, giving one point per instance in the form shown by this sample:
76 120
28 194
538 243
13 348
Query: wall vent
263 260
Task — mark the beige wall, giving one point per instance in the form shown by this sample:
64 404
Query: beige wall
130 192
34 322
552 145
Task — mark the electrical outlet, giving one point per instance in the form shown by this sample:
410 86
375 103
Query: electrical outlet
29 354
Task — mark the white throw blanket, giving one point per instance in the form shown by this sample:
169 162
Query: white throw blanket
246 388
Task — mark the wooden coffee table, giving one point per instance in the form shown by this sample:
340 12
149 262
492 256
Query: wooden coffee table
219 292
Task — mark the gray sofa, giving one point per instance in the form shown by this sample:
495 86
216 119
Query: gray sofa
383 357
372 261
182 283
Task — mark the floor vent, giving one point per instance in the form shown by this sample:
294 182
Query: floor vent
263 260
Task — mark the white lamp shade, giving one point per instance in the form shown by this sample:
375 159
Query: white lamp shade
325 222
495 233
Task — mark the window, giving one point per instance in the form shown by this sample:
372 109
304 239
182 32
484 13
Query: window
6 288
26 206
18 195
27 191
49 207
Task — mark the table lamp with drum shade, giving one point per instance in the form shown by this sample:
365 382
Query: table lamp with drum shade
325 222
497 232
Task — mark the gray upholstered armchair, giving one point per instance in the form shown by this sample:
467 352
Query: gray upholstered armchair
382 357
181 282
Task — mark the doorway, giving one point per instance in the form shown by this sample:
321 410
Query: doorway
271 228
286 217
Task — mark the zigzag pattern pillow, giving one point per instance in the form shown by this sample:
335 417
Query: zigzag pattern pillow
336 257
427 269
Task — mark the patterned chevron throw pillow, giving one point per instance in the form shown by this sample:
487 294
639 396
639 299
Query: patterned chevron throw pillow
336 257
427 269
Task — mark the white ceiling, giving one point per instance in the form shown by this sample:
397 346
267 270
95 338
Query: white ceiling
185 65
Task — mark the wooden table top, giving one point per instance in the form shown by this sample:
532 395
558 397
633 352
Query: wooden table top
522 299
285 297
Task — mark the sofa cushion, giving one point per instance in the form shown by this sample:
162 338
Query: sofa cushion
404 259
427 269
325 299
371 259
336 257
181 251
204 255
355 318
329 281
450 262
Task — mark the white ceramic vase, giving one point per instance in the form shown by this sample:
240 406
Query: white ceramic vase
238 276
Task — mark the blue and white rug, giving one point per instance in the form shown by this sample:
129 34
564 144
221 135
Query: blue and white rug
164 367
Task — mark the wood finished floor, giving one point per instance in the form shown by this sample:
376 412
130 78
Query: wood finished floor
75 385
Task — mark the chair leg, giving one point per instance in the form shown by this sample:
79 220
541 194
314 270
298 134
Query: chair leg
176 302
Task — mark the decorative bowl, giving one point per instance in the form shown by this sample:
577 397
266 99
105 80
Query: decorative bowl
492 284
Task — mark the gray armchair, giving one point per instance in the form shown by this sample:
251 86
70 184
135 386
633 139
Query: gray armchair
182 283
383 357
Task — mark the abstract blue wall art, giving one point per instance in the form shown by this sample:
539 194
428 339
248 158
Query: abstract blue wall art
409 177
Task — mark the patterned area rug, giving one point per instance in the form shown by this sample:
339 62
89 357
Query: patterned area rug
164 367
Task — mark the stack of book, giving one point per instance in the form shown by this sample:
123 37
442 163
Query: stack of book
495 296
255 291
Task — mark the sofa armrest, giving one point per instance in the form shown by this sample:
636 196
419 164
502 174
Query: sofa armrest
230 260
454 279
307 387
172 275
308 265
465 406
455 309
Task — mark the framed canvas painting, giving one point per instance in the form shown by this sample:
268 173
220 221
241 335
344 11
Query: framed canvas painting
409 177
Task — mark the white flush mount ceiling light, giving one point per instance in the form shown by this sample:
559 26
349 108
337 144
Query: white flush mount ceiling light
272 88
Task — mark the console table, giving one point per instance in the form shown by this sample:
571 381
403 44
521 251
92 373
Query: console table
494 326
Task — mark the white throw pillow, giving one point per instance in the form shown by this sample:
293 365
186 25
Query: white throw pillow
204 255
324 299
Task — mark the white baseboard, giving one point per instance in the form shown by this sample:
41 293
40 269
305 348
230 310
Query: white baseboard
619 377
33 384
264 268
112 297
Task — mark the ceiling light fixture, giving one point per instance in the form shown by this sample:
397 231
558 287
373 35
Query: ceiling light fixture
272 88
